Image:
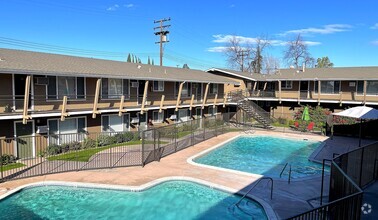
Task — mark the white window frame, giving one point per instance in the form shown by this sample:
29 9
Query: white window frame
158 87
127 97
212 87
58 125
367 82
214 111
286 84
124 128
57 98
154 120
321 92
186 85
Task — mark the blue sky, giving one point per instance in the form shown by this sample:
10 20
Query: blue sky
345 31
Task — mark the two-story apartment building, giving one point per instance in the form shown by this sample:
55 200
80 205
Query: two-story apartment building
285 90
46 94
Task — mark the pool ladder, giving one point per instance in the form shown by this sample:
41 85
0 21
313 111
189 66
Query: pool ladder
271 189
283 169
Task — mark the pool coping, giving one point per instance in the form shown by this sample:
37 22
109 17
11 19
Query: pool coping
266 206
190 160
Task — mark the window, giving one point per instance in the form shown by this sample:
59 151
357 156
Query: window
212 110
115 123
157 117
183 115
158 86
371 87
69 130
328 87
287 84
213 88
72 87
198 112
185 92
115 88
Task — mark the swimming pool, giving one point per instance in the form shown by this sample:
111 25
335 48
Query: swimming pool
264 155
168 200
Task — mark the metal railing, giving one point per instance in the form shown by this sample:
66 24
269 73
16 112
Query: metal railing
290 170
349 173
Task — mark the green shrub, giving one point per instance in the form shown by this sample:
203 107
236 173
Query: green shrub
7 159
128 136
75 145
88 143
118 138
53 149
104 140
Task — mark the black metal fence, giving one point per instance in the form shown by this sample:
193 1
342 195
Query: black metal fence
28 156
349 173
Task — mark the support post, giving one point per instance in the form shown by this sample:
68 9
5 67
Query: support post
299 92
144 97
341 98
191 102
224 100
205 96
179 96
25 115
215 100
319 91
279 91
161 103
64 109
121 110
95 102
365 89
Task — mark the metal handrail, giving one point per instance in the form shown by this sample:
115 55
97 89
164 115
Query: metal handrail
271 189
283 169
290 170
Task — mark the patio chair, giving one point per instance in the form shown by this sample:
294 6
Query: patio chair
310 126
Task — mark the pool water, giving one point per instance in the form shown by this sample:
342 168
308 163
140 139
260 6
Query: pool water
169 200
265 155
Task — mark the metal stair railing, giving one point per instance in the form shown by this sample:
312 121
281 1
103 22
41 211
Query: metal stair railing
257 183
283 169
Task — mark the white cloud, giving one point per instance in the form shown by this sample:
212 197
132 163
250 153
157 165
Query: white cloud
113 8
326 29
374 27
375 42
129 5
217 49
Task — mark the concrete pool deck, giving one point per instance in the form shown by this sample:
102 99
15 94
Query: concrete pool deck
288 199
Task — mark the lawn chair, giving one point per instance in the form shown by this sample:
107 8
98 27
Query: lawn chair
295 126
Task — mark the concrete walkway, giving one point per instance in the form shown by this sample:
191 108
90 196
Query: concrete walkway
288 199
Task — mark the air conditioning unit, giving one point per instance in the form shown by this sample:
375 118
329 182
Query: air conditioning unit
134 120
173 117
41 81
134 84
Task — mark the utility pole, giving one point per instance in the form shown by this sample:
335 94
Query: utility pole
162 32
242 54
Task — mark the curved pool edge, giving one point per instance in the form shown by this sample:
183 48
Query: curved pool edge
191 159
266 206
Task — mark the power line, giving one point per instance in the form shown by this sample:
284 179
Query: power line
162 32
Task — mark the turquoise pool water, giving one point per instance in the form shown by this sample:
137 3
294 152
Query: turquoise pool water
265 155
169 200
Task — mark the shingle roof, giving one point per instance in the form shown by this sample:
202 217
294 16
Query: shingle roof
28 62
336 73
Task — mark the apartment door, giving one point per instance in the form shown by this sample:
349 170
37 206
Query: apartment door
141 84
19 91
25 143
197 91
142 121
304 89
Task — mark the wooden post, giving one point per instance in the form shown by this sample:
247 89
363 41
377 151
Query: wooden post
64 109
121 110
254 88
341 98
191 102
319 91
179 96
161 103
299 92
144 97
224 100
95 102
215 100
279 91
265 84
205 96
365 90
25 115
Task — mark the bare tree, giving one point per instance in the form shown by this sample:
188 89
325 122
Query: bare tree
297 53
246 56
271 64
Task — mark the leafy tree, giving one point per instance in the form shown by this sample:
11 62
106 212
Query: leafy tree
132 58
149 61
297 53
323 62
185 66
128 58
152 63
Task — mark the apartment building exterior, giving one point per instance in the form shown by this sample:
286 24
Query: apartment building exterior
44 94
284 91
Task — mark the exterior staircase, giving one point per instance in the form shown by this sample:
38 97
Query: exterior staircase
252 109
